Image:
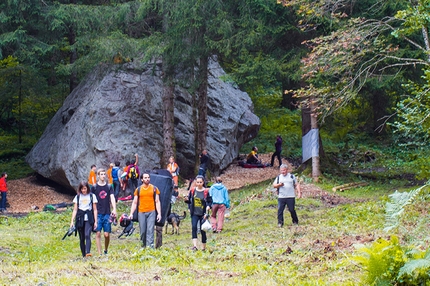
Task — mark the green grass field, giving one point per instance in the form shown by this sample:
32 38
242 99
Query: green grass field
250 251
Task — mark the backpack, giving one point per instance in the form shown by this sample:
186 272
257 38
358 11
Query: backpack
205 192
136 211
277 181
115 173
132 173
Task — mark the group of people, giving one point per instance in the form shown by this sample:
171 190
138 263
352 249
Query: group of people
252 157
95 203
94 210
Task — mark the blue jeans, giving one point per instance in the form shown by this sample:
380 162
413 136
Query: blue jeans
202 172
146 228
3 201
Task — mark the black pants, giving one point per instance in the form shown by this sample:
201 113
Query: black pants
133 183
85 238
116 187
277 154
195 220
290 203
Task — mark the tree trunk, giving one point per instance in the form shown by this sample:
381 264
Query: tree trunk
73 80
168 103
202 104
20 108
168 121
316 172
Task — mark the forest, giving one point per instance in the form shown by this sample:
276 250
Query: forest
361 67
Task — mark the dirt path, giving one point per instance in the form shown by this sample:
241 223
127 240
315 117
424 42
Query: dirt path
29 194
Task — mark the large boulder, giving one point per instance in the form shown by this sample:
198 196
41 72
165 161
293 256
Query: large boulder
117 111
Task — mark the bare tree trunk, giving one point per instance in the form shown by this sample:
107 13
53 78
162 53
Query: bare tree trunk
426 40
20 108
202 104
168 121
73 79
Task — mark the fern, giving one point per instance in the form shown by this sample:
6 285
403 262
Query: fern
395 207
381 261
417 270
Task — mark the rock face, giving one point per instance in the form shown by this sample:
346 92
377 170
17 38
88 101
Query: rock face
117 112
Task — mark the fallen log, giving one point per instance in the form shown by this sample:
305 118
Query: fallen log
348 186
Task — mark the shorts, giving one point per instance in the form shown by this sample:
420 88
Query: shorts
103 223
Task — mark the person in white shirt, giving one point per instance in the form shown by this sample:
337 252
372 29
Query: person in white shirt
85 212
287 186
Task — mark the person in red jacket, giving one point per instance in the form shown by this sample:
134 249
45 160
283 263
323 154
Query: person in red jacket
3 190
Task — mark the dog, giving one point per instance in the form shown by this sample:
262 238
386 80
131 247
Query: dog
175 220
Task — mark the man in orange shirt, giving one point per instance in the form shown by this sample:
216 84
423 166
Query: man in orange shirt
92 178
109 174
144 198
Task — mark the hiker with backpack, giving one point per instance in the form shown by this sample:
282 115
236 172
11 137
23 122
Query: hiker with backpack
147 203
105 197
221 202
116 178
173 168
204 163
133 174
287 186
199 203
85 212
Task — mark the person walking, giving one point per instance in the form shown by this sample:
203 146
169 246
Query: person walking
92 177
116 178
85 212
220 202
173 168
199 202
3 191
105 197
204 163
278 151
133 174
109 174
287 186
146 201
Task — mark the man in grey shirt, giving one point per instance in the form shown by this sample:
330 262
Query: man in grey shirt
287 185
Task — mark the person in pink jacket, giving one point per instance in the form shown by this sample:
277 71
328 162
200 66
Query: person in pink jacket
3 190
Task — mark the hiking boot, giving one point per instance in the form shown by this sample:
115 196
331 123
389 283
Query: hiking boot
88 255
105 252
